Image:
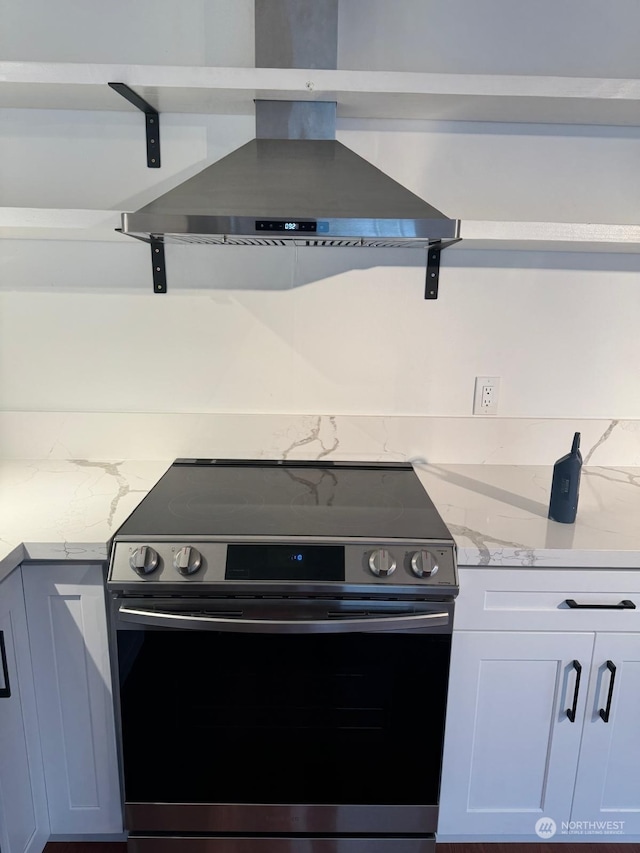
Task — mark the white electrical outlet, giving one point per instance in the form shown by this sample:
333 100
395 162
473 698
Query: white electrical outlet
485 398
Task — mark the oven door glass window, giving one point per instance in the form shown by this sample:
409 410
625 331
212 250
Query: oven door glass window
256 718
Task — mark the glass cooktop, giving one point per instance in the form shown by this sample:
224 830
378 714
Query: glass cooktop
227 498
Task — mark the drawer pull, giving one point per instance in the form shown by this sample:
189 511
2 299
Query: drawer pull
571 712
604 712
624 605
5 692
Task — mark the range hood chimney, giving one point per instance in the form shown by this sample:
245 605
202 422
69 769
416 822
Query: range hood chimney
294 183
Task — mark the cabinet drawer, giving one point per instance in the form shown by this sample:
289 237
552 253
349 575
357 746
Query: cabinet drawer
548 600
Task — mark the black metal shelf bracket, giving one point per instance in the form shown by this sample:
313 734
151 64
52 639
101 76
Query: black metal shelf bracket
152 120
158 266
433 270
433 266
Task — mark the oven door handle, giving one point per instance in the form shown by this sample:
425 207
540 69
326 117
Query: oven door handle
283 626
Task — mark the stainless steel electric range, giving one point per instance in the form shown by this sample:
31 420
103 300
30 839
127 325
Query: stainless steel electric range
282 635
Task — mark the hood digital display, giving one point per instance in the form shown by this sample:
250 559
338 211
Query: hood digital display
290 225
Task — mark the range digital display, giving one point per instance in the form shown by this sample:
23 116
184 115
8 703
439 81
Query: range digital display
291 225
285 562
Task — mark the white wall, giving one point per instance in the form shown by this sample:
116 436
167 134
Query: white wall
170 32
556 37
94 337
325 331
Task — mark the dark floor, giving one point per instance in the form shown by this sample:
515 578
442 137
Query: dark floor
85 847
112 847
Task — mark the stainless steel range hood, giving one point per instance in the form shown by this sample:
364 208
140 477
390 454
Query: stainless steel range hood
274 191
294 182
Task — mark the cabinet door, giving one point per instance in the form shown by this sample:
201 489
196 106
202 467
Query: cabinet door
608 782
511 751
68 631
24 823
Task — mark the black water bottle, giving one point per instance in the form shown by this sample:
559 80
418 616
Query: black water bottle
565 485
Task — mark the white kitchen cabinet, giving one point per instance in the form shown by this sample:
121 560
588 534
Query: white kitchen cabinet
512 754
24 822
68 634
608 780
511 751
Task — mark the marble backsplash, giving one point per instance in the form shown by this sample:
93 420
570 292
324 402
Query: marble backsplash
142 436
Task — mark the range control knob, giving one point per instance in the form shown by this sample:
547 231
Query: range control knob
144 560
424 564
187 560
382 563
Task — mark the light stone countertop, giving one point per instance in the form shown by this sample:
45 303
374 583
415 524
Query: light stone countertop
68 510
498 516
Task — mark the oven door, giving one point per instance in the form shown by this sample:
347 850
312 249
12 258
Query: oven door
282 716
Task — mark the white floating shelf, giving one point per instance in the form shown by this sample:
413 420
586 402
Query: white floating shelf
549 236
32 223
359 94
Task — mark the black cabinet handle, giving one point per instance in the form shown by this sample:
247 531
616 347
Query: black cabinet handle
604 712
5 692
571 712
624 605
